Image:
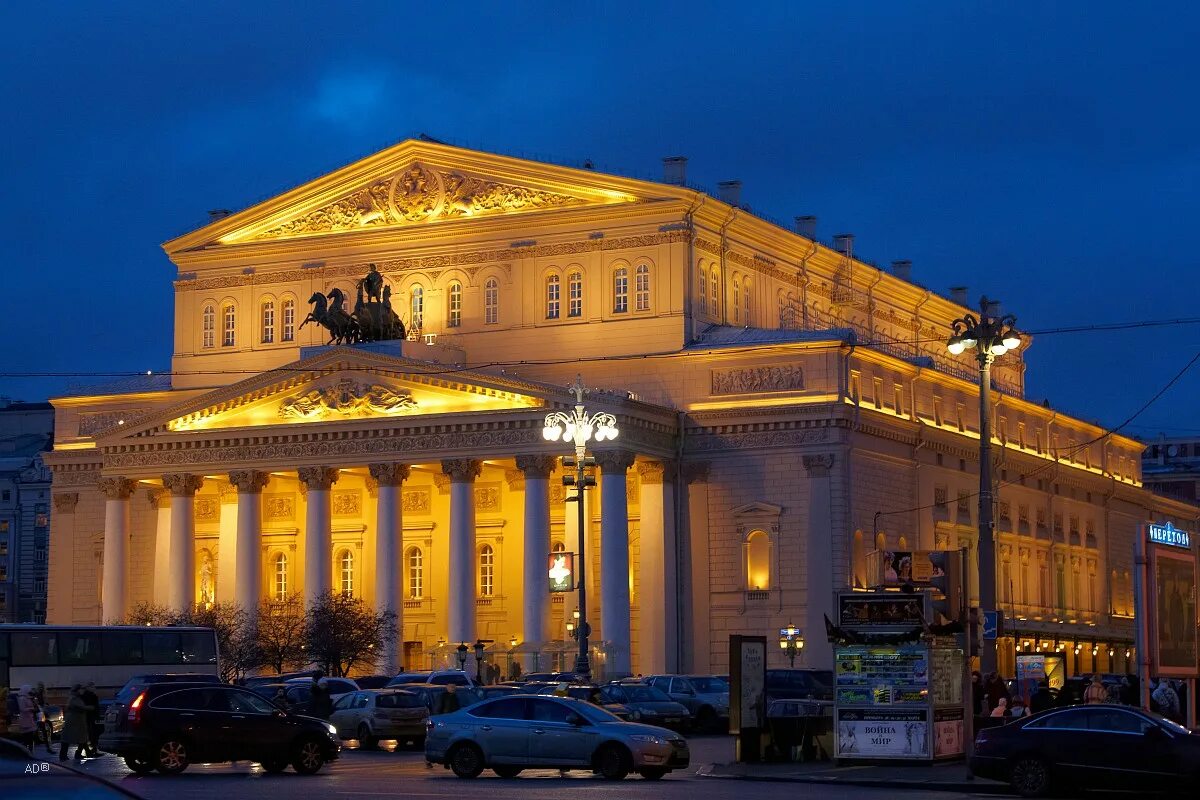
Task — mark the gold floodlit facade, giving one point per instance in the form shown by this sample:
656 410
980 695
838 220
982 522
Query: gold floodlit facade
772 395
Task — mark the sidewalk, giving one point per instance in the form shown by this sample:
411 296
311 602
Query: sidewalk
941 777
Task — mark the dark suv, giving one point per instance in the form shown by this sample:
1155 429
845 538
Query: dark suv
170 725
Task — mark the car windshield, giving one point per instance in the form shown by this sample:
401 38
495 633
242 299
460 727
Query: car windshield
710 685
595 713
398 701
645 694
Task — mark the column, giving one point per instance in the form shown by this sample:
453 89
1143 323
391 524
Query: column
697 639
247 545
388 540
318 532
536 547
160 501
114 592
658 633
460 617
181 594
818 556
614 559
227 536
60 601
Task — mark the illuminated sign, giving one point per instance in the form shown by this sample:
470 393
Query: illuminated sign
561 572
1169 535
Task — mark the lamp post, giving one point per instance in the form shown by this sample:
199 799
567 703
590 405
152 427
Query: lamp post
988 336
791 642
462 656
479 661
577 428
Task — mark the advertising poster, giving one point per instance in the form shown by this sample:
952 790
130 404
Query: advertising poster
882 676
947 663
902 566
948 732
892 610
1175 613
873 733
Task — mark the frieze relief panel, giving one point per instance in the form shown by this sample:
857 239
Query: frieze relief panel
346 503
487 497
752 380
753 439
208 509
347 398
279 507
417 501
91 423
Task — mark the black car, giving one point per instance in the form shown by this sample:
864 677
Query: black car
297 698
168 726
373 681
1089 747
799 684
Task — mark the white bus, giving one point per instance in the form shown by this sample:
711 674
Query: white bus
109 655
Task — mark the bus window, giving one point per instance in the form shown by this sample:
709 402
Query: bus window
122 647
31 649
197 647
160 647
78 647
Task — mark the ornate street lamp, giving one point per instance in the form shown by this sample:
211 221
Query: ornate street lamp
462 656
577 428
479 661
988 337
791 642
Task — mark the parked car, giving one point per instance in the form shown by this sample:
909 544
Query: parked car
439 676
373 681
511 734
705 696
136 684
647 704
170 725
787 684
297 698
371 715
1089 747
554 677
501 690
335 686
589 693
256 680
431 694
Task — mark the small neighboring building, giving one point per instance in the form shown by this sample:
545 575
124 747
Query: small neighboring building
1171 467
26 431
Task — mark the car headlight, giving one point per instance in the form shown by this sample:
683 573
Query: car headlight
648 739
332 730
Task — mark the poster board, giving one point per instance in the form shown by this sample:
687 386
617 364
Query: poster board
882 733
1173 601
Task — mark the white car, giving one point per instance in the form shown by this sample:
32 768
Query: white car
336 686
439 677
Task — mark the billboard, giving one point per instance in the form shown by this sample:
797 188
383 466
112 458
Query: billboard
561 572
1174 606
871 733
859 610
914 567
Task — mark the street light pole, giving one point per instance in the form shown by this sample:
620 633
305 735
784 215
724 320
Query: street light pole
989 337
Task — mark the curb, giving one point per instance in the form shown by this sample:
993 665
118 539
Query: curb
971 787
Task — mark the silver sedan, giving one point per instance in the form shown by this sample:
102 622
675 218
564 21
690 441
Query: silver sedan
510 734
373 714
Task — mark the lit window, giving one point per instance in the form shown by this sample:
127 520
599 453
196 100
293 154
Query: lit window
289 320
417 305
737 299
642 288
229 326
268 321
491 302
487 571
553 296
703 290
209 326
620 291
454 319
714 301
558 547
416 573
747 306
346 572
280 570
758 560
575 294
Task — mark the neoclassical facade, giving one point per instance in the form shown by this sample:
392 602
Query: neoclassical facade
784 409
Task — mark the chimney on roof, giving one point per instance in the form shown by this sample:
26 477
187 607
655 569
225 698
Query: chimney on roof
959 294
218 213
902 269
675 170
730 192
994 308
806 227
844 244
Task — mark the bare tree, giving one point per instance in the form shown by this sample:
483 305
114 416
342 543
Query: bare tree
237 641
342 632
280 634
152 614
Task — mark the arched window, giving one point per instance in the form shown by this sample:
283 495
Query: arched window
758 560
229 325
714 296
454 317
268 321
209 326
620 290
414 560
558 547
289 320
553 296
279 572
747 304
345 566
417 305
491 301
641 288
575 294
703 286
737 300
487 571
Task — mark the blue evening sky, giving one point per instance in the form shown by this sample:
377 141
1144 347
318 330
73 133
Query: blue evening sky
1044 153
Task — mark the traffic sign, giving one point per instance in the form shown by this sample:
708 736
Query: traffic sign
991 624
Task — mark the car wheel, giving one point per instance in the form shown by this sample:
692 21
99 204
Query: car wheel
507 772
172 757
308 758
653 773
466 761
365 740
139 764
612 762
275 765
1030 777
706 720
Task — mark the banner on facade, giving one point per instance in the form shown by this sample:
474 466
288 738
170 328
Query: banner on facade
561 572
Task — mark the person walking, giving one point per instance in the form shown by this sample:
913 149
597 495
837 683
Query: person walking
322 702
45 729
1166 700
26 717
74 725
280 699
448 703
94 724
1095 693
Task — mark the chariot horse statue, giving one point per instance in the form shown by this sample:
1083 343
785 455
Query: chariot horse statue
372 320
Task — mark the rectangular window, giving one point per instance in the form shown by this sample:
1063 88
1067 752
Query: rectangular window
268 322
491 302
30 649
122 647
229 327
78 647
455 317
197 647
208 325
553 297
575 295
289 320
39 555
41 520
620 291
642 288
39 585
160 647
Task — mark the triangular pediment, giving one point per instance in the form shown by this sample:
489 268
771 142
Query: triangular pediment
419 183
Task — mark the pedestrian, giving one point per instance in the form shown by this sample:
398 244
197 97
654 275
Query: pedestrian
74 725
280 698
1166 700
995 691
1001 709
1018 708
94 724
26 717
977 696
448 703
1114 693
1130 691
1042 698
1095 692
45 729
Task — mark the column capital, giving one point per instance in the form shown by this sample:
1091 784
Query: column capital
818 464
64 502
536 466
227 492
515 479
462 470
158 497
614 460
116 488
655 472
317 477
183 484
696 471
249 481
389 474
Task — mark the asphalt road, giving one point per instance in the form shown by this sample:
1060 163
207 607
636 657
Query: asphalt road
362 775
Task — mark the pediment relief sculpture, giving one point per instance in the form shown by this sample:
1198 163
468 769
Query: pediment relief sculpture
347 398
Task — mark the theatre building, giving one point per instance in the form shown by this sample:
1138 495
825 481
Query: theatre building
772 394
